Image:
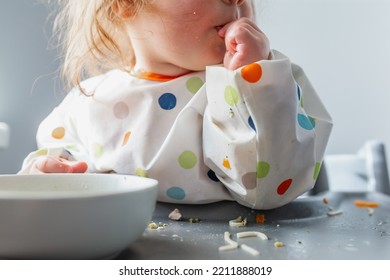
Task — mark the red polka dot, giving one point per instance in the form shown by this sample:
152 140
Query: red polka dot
284 186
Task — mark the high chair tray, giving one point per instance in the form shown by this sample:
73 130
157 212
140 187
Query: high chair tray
326 226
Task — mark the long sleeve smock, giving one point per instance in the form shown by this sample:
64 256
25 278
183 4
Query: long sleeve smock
256 135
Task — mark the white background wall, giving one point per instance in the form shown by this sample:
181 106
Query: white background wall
28 90
344 48
343 45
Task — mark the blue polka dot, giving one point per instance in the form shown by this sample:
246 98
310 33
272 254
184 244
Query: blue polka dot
299 92
306 122
251 123
176 193
167 101
212 176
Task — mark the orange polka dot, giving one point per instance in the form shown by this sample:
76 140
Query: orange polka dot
226 163
126 138
252 73
58 133
284 186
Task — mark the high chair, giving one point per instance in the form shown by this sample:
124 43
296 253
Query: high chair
364 171
4 135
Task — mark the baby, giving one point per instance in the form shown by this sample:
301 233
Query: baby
186 92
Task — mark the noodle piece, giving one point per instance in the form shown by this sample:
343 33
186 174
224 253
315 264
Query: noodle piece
238 222
252 234
231 244
250 250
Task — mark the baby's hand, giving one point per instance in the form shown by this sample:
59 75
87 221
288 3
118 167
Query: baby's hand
245 43
50 164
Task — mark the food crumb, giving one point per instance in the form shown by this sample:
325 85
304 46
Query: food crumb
194 220
325 200
175 215
260 218
238 222
361 203
278 244
152 226
155 226
370 211
332 212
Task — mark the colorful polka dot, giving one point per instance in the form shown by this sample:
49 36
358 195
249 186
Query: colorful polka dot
194 84
97 150
212 176
317 169
249 180
176 193
231 95
126 138
141 172
299 92
306 122
262 169
41 152
72 147
121 110
167 101
58 133
226 163
251 123
284 186
187 160
252 73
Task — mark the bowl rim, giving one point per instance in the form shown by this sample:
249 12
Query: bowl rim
42 194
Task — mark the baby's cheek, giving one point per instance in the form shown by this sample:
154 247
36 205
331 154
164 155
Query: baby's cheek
246 10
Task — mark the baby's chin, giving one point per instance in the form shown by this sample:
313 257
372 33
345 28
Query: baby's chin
210 62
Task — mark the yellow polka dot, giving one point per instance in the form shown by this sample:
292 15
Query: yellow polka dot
126 138
252 73
141 172
58 133
41 152
226 163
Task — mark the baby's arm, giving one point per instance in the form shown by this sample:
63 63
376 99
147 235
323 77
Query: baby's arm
58 142
265 131
245 43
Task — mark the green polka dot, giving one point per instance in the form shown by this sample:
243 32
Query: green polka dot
97 150
231 95
262 169
72 148
187 160
317 170
141 172
194 84
41 152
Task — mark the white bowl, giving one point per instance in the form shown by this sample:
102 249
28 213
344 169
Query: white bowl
73 216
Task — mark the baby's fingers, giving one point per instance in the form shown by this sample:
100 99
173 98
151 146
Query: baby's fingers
58 165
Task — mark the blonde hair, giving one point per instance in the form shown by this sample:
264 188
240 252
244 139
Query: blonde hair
92 36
